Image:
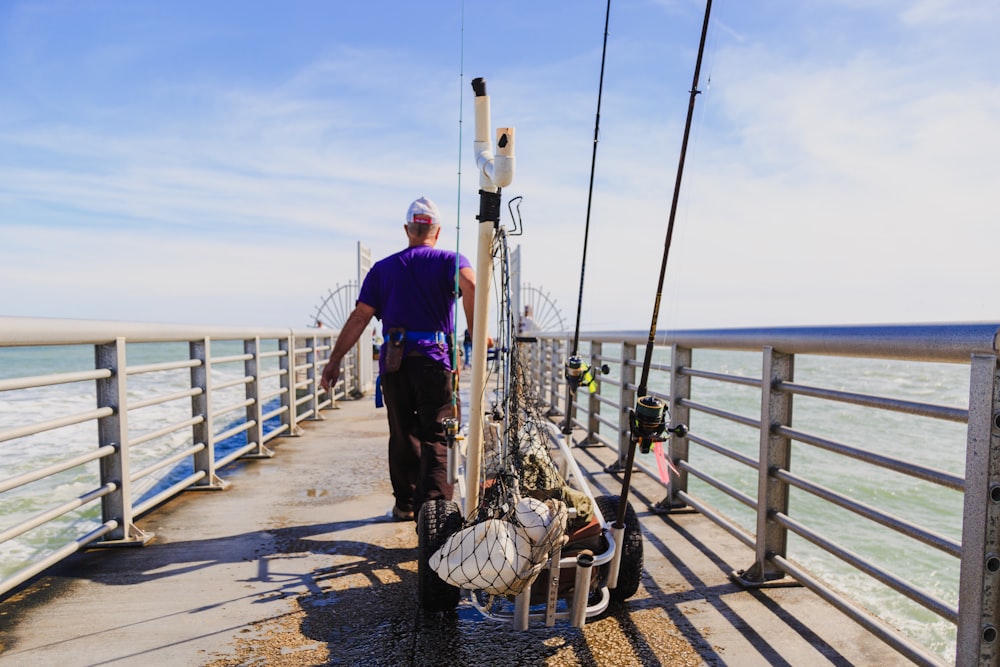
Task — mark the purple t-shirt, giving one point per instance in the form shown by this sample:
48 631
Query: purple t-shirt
415 289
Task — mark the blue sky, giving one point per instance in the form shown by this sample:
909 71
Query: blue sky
217 162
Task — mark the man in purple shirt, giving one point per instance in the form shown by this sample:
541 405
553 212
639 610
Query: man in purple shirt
412 293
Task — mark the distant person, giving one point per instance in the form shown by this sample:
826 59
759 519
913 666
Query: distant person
467 349
527 325
412 293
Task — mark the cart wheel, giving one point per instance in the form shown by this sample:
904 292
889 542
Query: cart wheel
438 520
630 569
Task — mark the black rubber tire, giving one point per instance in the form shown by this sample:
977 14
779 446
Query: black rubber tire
630 569
436 522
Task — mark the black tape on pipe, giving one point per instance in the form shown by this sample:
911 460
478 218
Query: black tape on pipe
489 206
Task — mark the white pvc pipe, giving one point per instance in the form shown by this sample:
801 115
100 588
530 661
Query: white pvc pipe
618 535
474 452
581 589
494 173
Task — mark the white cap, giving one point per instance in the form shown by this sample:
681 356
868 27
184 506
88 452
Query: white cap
423 211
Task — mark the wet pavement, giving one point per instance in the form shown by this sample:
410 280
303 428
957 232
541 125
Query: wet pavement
298 563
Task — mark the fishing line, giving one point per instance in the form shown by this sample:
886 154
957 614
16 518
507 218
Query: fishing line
576 370
647 422
458 219
647 359
452 425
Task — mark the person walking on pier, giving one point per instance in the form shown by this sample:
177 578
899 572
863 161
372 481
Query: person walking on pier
412 292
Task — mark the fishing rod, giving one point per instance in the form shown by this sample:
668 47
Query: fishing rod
452 425
576 372
647 422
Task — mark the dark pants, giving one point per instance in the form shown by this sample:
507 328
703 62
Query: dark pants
417 399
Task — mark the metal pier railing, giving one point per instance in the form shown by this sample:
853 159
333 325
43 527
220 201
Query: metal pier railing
151 430
161 409
735 464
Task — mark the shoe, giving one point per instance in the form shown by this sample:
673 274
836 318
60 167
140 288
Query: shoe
401 515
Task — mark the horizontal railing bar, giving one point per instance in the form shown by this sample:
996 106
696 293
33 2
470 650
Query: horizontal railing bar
271 354
717 518
55 378
232 456
611 381
607 422
889 463
169 492
274 413
663 368
239 428
723 414
600 399
946 544
76 545
275 433
170 460
730 491
862 617
232 383
929 602
53 331
649 392
159 400
305 415
954 343
274 394
55 468
166 430
231 359
246 402
722 449
721 377
41 427
163 366
56 512
943 412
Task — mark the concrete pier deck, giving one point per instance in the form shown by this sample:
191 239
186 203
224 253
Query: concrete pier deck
298 563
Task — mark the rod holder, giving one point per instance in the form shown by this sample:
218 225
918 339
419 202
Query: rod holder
581 588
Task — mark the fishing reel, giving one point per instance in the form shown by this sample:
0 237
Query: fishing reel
648 423
452 430
578 373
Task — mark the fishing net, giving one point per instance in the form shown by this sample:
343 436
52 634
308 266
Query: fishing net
526 507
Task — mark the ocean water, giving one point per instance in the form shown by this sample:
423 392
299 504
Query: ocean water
929 442
925 441
30 406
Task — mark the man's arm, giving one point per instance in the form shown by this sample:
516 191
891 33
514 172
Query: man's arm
467 283
349 335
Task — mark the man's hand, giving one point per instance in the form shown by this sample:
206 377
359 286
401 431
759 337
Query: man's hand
330 375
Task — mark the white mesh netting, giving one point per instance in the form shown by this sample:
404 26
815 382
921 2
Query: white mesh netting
523 511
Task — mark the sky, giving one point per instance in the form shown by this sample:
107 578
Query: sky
218 162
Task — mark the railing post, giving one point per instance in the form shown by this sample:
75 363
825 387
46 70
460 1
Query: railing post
594 402
312 375
553 368
254 411
680 389
201 406
979 589
286 363
775 454
626 400
113 430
